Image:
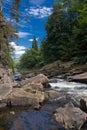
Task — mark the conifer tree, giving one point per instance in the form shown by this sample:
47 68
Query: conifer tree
34 44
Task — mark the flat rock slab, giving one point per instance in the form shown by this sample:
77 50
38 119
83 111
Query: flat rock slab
70 117
22 97
79 78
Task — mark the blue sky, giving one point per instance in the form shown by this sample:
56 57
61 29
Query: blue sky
37 11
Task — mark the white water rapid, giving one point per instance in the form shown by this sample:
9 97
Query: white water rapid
76 89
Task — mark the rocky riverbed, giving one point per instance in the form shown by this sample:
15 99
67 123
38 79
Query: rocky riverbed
43 105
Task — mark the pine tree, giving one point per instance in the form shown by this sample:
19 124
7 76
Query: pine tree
34 44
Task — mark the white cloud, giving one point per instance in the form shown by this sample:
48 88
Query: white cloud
20 53
18 50
40 12
36 2
23 34
31 40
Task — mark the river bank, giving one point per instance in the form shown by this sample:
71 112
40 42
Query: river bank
65 70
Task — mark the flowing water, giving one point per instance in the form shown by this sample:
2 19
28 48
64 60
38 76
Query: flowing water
30 119
26 119
73 88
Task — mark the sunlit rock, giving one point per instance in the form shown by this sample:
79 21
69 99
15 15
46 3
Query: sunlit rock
70 117
79 77
22 97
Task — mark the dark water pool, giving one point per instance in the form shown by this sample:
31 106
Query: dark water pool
30 119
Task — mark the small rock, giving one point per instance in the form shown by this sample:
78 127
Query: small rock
12 112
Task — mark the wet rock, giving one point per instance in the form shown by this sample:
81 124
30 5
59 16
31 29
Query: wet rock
70 117
73 100
83 104
53 80
3 105
79 78
64 99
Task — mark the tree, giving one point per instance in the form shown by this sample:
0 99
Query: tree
4 46
30 59
5 34
80 32
66 32
34 44
58 31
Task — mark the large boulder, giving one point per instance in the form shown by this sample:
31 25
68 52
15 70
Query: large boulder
28 92
79 77
39 79
70 117
24 97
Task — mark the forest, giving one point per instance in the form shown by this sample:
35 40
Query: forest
66 38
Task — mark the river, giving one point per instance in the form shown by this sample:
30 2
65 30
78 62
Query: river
76 89
26 119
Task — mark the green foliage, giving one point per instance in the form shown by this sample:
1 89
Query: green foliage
6 33
80 59
57 34
66 32
15 9
80 31
30 59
